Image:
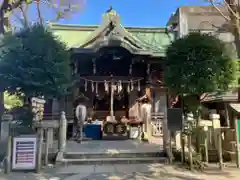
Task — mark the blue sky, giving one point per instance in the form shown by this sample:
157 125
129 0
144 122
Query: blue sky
133 12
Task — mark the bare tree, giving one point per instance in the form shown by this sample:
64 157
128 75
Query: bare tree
230 11
19 10
46 11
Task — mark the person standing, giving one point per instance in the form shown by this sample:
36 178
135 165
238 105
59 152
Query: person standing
145 115
80 117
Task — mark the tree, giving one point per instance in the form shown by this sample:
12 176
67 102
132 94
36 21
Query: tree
34 63
230 11
12 101
9 8
197 64
60 9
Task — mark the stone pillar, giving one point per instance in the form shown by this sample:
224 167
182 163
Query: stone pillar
55 114
162 106
50 137
217 136
62 132
178 140
216 125
215 120
6 121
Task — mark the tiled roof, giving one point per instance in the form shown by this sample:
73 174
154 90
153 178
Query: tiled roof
230 96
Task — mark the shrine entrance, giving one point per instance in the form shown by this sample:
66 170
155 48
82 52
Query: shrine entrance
113 70
120 103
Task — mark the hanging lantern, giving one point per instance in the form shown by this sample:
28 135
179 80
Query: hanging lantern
85 85
128 87
92 86
131 85
139 86
148 69
96 88
94 66
120 86
106 87
130 69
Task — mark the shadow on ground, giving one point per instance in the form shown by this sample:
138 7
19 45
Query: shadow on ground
211 170
123 176
143 172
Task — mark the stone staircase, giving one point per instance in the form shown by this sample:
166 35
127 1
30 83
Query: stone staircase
112 158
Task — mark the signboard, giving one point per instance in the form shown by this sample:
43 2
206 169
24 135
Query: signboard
24 153
174 119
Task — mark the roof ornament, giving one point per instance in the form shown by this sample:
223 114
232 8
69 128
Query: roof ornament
110 9
111 15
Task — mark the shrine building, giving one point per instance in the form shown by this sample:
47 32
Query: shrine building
110 55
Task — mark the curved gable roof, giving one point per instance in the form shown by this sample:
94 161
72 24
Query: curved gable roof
142 40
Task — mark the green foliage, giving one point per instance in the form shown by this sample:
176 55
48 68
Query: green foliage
33 62
234 84
23 115
198 63
12 101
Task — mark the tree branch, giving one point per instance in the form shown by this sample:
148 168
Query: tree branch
39 14
8 6
230 9
217 8
25 18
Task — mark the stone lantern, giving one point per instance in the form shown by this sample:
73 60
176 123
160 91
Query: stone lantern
38 108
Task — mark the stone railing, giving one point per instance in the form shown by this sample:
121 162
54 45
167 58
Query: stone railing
49 127
42 127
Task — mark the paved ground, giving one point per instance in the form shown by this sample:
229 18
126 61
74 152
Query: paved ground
114 146
123 172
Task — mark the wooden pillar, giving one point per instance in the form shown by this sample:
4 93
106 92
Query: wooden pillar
75 92
227 115
148 120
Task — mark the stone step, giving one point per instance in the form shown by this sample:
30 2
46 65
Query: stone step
120 160
77 155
